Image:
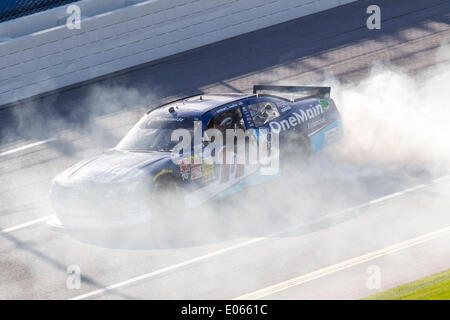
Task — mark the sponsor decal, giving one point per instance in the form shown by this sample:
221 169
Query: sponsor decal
158 119
196 171
324 103
207 172
315 123
168 119
285 108
247 117
226 108
185 168
332 135
297 117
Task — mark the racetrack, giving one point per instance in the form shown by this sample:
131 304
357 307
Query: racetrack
317 234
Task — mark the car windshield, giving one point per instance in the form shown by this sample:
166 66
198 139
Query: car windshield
153 133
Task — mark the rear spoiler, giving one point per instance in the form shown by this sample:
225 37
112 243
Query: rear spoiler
305 92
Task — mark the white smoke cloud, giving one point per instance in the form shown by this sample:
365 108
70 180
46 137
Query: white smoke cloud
394 117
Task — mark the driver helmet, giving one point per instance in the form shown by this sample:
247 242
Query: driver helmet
267 111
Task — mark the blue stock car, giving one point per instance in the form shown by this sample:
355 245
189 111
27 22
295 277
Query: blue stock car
128 184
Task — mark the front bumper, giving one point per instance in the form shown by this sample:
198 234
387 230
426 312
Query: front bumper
97 206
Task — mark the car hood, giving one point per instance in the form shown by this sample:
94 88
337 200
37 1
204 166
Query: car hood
113 166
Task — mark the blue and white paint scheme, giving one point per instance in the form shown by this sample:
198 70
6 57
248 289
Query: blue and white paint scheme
114 188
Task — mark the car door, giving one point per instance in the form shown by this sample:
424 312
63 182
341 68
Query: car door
224 178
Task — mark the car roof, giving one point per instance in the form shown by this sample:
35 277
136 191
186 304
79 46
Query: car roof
196 106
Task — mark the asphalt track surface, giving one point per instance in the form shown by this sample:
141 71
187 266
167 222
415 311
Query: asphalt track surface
318 247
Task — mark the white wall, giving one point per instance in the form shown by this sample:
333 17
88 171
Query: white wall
38 53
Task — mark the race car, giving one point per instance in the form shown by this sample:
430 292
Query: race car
141 179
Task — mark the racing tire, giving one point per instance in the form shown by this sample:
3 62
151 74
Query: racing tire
295 154
167 198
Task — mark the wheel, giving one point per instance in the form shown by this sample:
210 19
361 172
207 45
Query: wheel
167 198
295 153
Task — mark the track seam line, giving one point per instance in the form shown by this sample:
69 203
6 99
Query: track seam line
25 147
314 275
23 225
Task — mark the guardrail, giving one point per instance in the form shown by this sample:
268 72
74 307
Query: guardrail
131 33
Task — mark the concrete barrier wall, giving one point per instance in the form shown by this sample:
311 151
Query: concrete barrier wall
12 9
130 33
